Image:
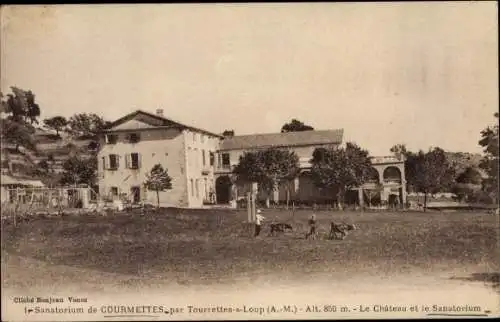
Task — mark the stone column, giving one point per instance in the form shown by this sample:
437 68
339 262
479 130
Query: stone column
403 190
234 196
295 185
361 197
276 193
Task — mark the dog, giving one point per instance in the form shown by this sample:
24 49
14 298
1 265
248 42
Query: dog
340 229
280 228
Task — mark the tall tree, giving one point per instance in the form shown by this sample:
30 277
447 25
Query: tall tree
21 106
295 126
77 170
158 180
489 142
87 125
429 172
56 123
268 168
340 169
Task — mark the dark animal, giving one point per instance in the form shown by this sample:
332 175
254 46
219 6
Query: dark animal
280 228
340 231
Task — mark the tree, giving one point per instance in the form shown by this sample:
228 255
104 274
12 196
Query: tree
17 134
399 150
87 125
295 126
268 168
228 133
158 180
469 176
77 170
56 123
21 106
42 169
489 163
340 169
429 172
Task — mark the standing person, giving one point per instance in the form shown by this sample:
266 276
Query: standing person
312 227
258 221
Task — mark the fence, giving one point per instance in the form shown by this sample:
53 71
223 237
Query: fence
29 200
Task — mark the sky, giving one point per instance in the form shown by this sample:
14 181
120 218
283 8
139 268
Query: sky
422 74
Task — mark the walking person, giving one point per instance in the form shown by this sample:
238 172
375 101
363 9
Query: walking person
258 221
312 227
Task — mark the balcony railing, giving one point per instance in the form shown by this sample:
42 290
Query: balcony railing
206 169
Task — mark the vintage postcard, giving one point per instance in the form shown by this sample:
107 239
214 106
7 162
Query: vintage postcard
257 161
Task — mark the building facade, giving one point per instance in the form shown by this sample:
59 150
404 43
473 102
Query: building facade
200 164
139 141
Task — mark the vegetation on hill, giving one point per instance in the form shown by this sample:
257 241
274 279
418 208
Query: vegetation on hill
76 139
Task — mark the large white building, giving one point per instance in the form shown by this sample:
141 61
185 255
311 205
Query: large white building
200 162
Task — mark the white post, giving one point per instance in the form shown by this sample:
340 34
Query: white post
254 197
249 206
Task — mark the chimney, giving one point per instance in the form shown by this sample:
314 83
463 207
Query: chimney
159 112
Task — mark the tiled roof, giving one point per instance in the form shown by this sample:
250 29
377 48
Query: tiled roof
303 138
157 121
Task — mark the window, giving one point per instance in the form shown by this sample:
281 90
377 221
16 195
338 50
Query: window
202 138
194 137
134 137
111 139
114 191
203 157
197 188
192 187
5 163
134 161
196 158
212 158
113 161
225 160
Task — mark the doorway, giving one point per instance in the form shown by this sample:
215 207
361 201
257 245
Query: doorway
136 194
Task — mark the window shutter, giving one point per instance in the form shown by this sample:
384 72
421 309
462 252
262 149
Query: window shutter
104 163
128 161
138 161
117 161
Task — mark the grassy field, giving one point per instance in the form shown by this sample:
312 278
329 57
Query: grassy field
213 246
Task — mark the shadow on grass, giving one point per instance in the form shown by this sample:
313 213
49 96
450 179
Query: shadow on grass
491 279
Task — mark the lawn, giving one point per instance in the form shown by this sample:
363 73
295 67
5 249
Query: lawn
210 246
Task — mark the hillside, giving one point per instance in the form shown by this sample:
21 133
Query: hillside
53 149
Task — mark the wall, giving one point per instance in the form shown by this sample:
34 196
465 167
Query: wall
163 146
303 152
200 176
